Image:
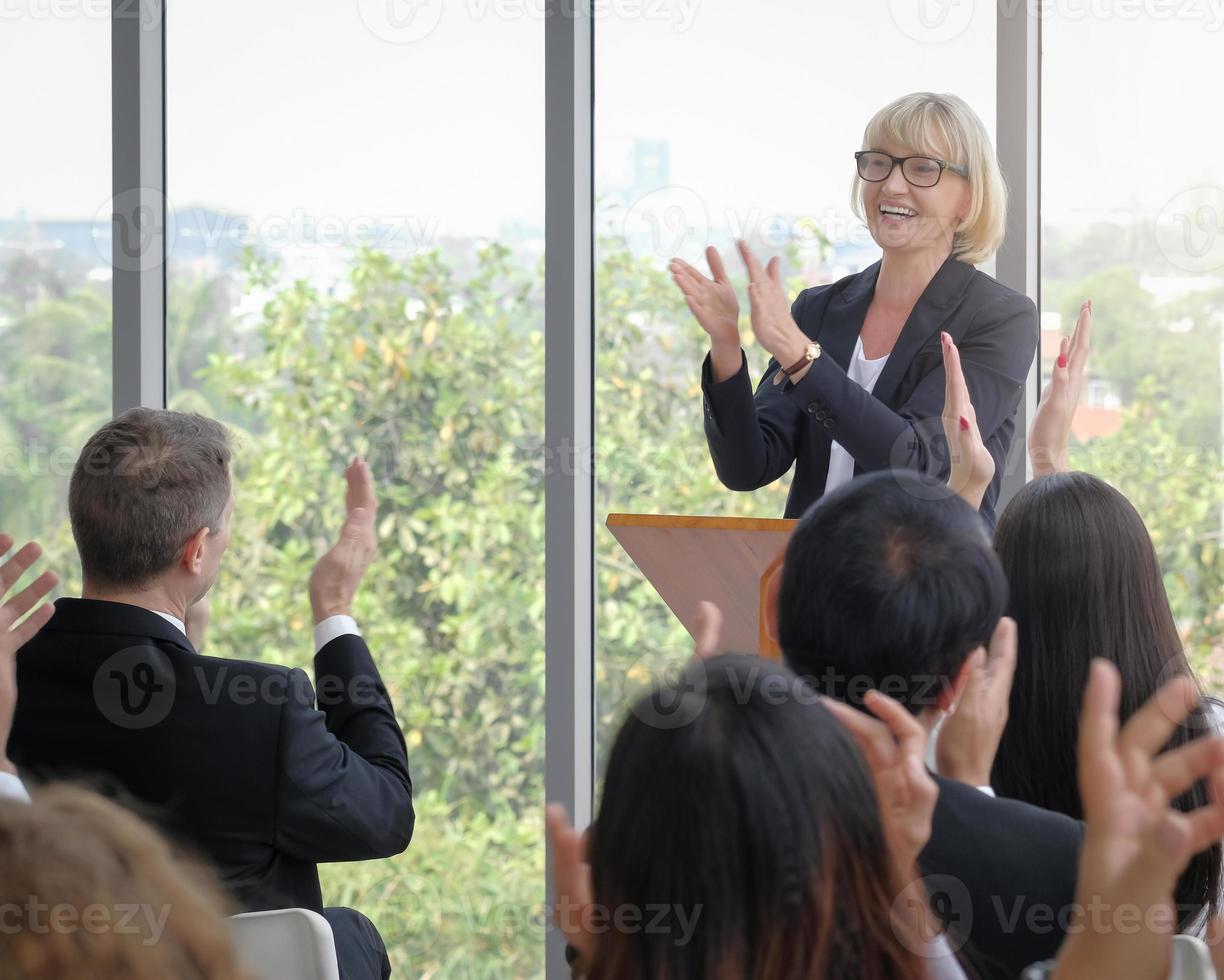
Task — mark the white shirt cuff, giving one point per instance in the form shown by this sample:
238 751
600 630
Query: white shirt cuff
988 790
12 788
332 627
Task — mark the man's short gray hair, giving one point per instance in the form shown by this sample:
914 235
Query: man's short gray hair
143 485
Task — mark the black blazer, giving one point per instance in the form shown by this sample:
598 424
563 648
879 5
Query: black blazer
228 756
1001 874
754 440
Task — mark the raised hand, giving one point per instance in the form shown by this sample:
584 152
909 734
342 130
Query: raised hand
572 885
969 736
13 636
893 747
712 301
772 324
972 465
336 575
1051 429
1136 843
198 616
709 630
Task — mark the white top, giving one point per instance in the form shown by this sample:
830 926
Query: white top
865 373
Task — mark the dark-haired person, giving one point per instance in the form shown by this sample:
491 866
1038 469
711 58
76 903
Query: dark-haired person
230 756
855 379
746 830
890 582
1086 582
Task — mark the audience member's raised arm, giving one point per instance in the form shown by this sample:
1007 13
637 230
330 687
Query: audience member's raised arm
13 636
1051 429
345 792
1135 842
970 734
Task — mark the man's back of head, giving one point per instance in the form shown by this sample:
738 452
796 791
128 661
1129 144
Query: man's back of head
889 583
143 485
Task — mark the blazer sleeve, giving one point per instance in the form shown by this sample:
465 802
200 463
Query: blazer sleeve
752 439
1001 874
344 792
996 351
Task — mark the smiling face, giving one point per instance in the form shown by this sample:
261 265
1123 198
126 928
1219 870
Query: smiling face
902 217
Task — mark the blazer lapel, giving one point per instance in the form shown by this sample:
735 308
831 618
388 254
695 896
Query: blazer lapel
927 317
843 319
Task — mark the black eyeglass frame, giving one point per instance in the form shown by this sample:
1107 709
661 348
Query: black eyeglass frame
943 165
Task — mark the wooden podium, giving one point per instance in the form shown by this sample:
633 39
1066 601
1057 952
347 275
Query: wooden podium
728 561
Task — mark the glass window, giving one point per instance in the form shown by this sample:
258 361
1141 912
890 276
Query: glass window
356 267
55 260
1133 218
718 121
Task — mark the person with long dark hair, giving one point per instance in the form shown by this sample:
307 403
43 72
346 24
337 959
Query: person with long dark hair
740 835
1085 582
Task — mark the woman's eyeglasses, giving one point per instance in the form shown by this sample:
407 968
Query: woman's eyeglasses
919 171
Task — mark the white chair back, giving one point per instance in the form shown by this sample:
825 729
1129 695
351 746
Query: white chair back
285 944
1191 960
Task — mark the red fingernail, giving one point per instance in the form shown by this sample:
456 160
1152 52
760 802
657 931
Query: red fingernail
1062 360
964 424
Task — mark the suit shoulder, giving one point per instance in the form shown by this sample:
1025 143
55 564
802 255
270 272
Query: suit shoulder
987 291
234 667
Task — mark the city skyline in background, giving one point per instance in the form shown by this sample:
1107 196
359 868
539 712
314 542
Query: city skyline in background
392 131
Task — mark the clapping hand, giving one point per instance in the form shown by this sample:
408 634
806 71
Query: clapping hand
336 575
13 636
1051 429
572 885
772 324
1136 843
711 301
893 744
969 736
972 465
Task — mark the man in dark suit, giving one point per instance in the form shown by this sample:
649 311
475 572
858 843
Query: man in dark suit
232 757
891 583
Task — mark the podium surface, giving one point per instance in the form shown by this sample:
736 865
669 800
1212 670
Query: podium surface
724 560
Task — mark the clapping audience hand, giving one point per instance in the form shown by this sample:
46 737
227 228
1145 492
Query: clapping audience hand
336 575
1135 842
709 631
572 885
198 616
13 635
972 465
969 736
893 744
1051 429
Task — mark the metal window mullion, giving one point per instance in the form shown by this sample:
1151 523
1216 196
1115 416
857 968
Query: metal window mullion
138 226
1018 264
569 482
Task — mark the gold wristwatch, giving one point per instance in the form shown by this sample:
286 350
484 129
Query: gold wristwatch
810 353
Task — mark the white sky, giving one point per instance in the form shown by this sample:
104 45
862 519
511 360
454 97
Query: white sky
302 107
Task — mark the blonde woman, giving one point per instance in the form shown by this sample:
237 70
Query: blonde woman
855 381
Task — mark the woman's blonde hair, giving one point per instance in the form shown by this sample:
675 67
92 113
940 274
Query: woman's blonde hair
945 127
88 890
